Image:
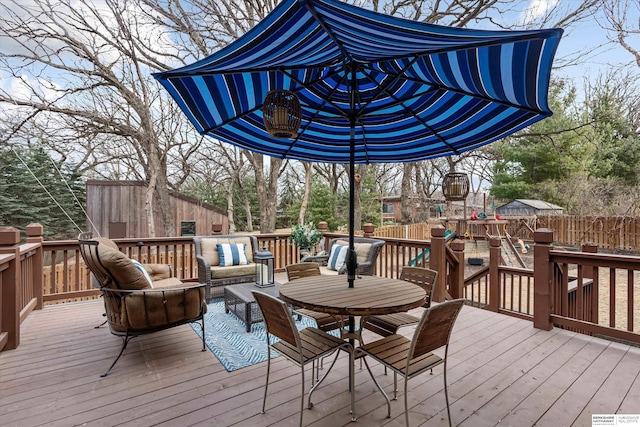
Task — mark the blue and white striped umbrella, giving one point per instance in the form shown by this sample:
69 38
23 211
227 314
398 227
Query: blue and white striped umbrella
420 90
372 87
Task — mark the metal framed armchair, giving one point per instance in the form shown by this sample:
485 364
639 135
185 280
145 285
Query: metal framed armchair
367 250
137 303
300 347
410 358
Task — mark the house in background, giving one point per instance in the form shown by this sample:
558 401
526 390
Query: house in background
526 207
419 211
116 210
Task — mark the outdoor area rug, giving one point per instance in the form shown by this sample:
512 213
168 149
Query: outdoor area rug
228 340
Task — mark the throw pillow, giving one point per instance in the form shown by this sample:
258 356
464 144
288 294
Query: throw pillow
232 254
144 272
337 257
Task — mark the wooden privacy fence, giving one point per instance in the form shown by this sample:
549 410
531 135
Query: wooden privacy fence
613 233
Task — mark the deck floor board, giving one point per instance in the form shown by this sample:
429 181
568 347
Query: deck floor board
501 371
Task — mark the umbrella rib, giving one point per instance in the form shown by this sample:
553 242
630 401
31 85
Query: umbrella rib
411 112
324 102
308 86
324 26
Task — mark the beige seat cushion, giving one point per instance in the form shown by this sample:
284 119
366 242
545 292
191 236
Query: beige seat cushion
362 249
127 276
326 272
210 250
233 271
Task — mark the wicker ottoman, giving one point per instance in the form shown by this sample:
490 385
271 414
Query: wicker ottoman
239 300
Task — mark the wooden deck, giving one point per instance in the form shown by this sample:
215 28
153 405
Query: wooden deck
501 371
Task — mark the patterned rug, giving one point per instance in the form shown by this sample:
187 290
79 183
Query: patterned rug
227 337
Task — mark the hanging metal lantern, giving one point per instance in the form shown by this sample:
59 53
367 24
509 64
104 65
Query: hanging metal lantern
455 186
281 113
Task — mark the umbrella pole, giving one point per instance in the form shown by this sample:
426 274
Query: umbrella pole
351 262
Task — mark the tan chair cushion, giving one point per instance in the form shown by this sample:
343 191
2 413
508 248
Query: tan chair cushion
171 282
158 271
233 271
125 273
210 251
106 241
157 309
326 272
362 249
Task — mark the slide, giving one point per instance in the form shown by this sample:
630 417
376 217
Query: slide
510 254
448 236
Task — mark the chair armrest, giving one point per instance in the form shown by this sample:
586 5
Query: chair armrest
204 269
320 259
158 271
362 269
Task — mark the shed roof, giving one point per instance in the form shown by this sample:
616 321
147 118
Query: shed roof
537 204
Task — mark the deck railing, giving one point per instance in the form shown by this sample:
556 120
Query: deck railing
592 293
584 291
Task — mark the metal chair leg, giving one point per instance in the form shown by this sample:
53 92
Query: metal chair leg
125 341
395 385
204 348
406 401
446 393
103 323
379 387
302 396
264 398
309 404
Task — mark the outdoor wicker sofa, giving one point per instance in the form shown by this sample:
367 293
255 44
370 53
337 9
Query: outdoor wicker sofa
217 276
367 250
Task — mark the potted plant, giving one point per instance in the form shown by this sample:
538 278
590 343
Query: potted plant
306 237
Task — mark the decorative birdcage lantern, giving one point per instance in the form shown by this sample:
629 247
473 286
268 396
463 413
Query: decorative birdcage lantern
455 186
264 268
281 113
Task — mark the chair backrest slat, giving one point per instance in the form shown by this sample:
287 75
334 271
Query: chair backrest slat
277 318
423 277
303 269
435 327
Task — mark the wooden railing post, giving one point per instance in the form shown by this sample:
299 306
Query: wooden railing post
34 235
323 227
456 275
494 274
588 270
542 279
368 229
10 312
438 262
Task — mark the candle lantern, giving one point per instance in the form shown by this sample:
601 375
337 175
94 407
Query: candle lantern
455 186
281 113
264 268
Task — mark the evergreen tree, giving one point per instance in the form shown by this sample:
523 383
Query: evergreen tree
24 200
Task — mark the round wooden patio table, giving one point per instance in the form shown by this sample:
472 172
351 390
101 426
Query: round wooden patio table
370 296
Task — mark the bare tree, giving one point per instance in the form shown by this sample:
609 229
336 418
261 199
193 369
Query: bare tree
83 71
307 191
624 30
